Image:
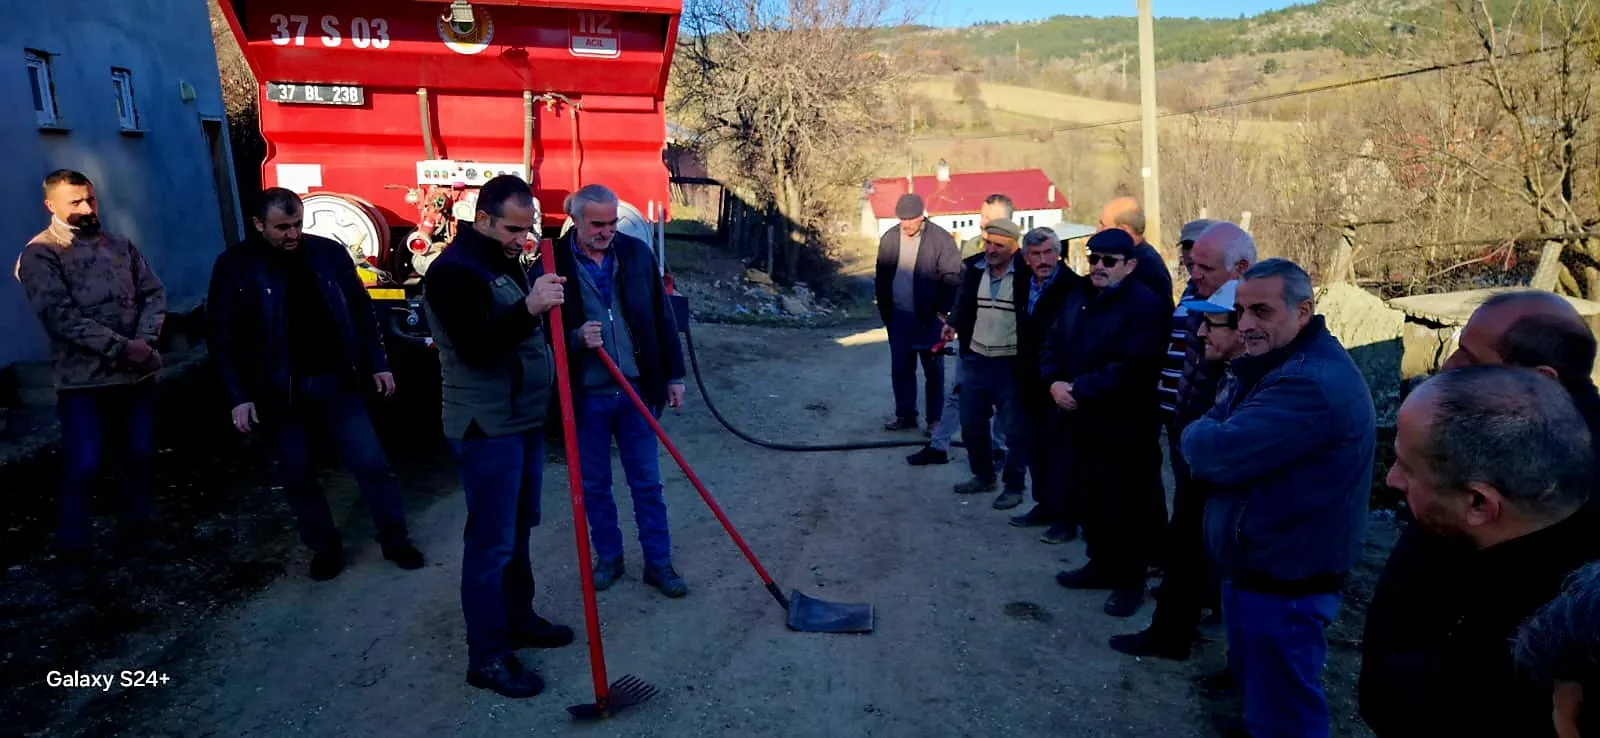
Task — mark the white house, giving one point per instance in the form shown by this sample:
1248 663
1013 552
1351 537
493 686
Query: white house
953 200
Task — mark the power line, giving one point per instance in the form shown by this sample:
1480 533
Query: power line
1239 103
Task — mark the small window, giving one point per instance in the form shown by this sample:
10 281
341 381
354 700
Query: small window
42 86
127 113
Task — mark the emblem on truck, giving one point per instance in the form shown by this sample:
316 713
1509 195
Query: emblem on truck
467 38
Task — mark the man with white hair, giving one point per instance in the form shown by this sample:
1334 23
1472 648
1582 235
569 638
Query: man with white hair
615 298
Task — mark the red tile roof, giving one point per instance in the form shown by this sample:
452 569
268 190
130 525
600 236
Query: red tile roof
1029 189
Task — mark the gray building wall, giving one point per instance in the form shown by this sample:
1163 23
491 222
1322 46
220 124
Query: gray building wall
167 186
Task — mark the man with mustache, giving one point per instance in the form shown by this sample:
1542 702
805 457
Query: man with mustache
101 306
296 343
1101 361
1286 455
615 298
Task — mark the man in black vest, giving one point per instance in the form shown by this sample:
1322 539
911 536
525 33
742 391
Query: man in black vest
495 359
615 298
295 341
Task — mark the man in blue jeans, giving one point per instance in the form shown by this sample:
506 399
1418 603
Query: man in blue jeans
1287 454
615 298
296 344
494 357
102 306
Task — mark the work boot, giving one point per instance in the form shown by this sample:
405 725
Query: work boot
606 573
543 634
1058 534
507 677
326 565
975 486
928 455
404 555
1033 518
1125 601
1008 499
666 580
1085 577
1149 642
901 424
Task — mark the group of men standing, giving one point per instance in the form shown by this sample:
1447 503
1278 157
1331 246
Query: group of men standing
295 341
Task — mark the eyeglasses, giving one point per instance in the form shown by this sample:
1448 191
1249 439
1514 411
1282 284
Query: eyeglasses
1229 320
1107 259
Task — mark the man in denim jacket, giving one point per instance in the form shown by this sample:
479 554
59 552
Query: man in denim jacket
1288 453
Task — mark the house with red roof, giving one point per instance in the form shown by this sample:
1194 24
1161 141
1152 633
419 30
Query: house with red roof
953 200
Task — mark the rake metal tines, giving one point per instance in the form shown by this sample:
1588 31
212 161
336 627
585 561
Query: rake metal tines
624 692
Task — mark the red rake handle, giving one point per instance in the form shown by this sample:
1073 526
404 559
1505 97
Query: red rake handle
616 374
580 519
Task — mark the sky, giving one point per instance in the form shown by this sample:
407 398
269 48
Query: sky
967 12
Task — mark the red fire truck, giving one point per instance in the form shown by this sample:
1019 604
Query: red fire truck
387 115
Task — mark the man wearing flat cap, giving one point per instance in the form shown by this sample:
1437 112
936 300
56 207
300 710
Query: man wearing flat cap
1100 360
918 270
994 288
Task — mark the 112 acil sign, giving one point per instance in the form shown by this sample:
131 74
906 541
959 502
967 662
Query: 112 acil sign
594 34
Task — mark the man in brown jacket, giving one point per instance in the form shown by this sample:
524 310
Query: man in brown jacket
102 307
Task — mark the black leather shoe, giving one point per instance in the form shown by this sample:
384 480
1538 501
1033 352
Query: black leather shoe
899 424
928 455
404 555
507 677
1125 601
1147 643
1033 518
1059 534
326 565
1084 577
543 634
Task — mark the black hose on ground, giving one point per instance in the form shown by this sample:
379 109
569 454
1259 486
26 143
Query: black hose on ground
694 363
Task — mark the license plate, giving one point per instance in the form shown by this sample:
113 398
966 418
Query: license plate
310 94
387 293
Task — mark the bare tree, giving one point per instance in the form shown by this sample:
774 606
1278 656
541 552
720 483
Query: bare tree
797 97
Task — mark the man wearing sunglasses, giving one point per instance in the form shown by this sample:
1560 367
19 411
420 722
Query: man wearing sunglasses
1101 361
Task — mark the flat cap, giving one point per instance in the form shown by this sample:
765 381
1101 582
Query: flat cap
1192 230
1113 241
909 206
1003 227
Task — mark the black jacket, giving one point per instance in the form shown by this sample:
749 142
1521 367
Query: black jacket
938 272
1438 633
247 326
1031 325
1110 344
646 310
1152 272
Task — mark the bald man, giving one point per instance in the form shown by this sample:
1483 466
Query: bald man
1125 214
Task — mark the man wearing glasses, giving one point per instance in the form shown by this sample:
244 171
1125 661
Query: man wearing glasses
1101 360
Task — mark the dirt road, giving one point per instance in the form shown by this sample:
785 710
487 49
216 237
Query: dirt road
973 635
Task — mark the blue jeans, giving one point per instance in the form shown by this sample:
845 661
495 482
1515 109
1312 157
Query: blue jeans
1277 646
328 404
122 418
950 420
501 476
988 398
601 417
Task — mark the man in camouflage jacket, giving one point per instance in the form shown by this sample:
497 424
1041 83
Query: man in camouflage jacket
102 306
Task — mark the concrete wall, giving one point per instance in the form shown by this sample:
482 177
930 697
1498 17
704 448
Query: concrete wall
158 185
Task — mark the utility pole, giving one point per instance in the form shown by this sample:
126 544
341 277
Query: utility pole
1147 103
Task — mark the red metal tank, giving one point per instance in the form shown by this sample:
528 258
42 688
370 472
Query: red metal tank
406 106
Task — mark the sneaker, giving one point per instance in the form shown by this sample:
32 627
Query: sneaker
326 565
901 424
1033 518
404 555
1008 499
1124 601
1058 534
1148 642
507 677
543 634
606 573
928 455
666 580
975 486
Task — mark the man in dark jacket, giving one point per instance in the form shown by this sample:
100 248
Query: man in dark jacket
1287 454
985 321
615 298
1050 282
101 306
1495 465
1100 362
1124 214
918 270
494 356
293 334
1219 255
